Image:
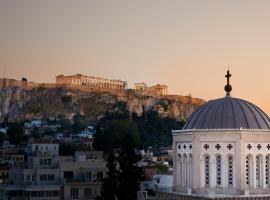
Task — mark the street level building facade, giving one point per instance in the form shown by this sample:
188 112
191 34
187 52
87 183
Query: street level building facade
223 149
47 175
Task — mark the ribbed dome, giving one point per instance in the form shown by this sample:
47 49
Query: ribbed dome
228 113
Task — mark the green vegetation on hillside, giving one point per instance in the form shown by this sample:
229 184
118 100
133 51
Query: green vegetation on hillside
151 130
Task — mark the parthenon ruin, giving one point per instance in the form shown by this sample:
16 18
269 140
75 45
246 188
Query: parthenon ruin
80 79
156 90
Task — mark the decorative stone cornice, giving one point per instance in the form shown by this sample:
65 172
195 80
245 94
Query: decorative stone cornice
230 130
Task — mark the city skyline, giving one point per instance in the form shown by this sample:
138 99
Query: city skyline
185 45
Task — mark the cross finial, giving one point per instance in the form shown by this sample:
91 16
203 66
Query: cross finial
228 87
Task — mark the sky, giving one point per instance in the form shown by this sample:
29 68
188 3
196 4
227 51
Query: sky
185 44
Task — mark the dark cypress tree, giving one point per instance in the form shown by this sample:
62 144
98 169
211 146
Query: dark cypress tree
110 183
130 175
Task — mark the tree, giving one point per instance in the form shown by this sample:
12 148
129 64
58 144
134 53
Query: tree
79 123
110 183
65 124
110 133
130 175
119 135
15 134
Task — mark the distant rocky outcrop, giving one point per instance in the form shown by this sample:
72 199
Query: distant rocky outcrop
19 103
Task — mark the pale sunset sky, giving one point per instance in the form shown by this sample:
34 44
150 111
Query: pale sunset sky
185 44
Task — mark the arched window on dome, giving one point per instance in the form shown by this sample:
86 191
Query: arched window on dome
258 171
230 171
207 170
218 171
267 160
249 170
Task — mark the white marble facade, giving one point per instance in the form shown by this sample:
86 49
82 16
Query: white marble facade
222 161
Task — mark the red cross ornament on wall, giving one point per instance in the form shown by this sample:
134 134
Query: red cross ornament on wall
229 146
206 146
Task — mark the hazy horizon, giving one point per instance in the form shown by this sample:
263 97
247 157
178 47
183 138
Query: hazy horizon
185 44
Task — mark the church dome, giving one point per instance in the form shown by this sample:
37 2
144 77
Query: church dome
228 113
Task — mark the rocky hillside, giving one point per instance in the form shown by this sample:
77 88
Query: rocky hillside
18 104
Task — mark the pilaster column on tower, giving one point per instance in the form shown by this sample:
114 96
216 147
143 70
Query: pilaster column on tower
254 171
212 172
263 185
188 170
182 172
185 173
224 180
177 172
202 172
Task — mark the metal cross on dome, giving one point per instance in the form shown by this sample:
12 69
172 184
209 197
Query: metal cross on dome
228 87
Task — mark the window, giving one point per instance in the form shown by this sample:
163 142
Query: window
68 175
258 171
207 171
88 176
52 194
41 162
45 161
218 170
248 159
230 171
88 193
99 176
43 177
47 177
158 180
28 178
51 177
74 193
38 194
267 171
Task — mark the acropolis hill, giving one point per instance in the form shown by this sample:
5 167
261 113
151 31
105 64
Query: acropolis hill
89 96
